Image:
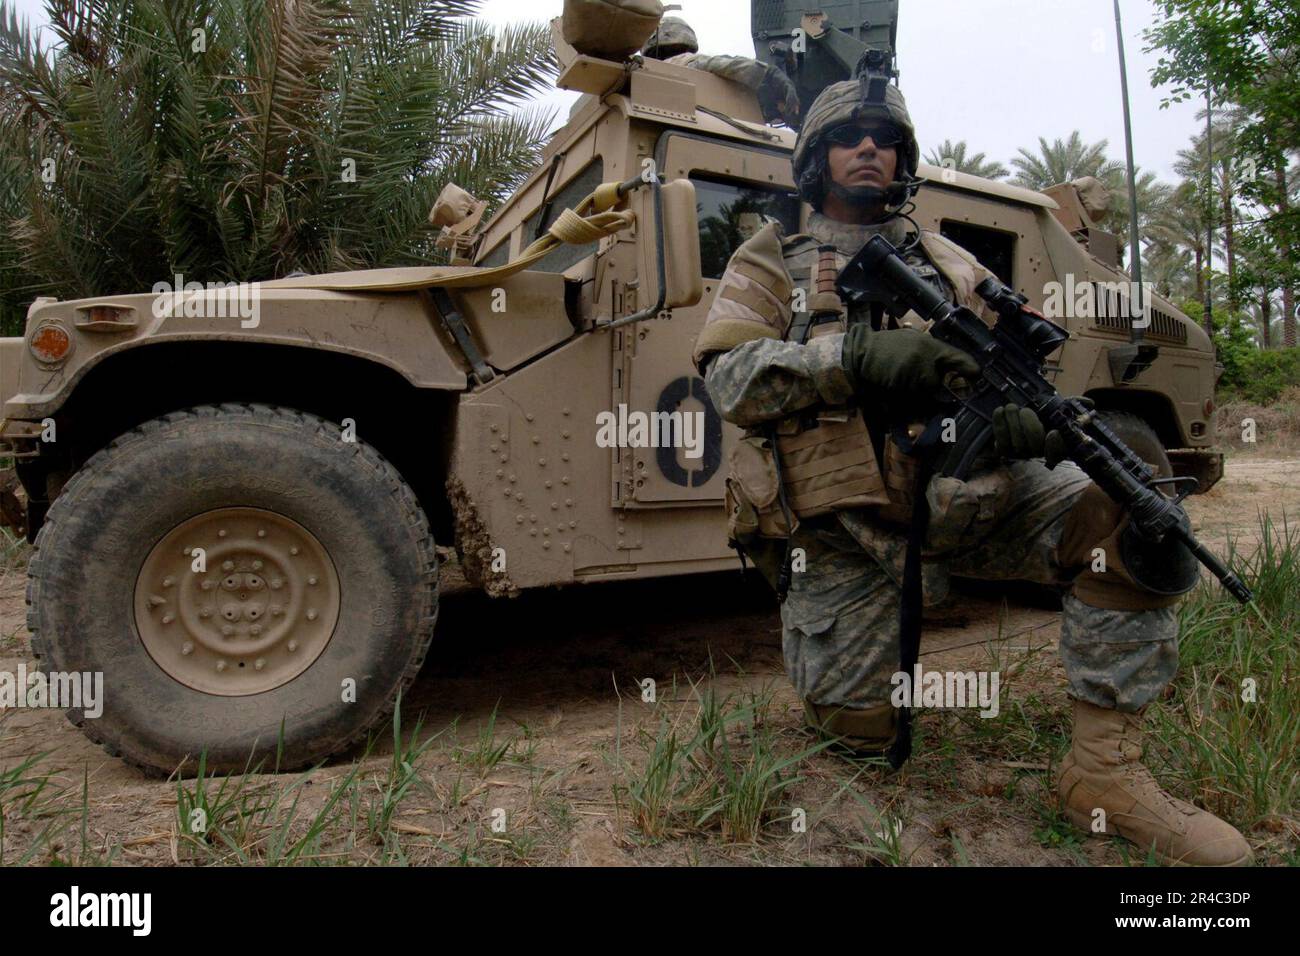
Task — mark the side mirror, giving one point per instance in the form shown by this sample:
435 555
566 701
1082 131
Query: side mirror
679 238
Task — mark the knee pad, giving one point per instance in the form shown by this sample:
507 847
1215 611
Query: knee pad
1139 574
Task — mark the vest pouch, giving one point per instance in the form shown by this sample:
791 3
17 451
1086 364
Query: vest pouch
900 481
752 491
829 464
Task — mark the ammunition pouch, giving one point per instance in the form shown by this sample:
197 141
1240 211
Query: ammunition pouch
1166 568
829 464
756 521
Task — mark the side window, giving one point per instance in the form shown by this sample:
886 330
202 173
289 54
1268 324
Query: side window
995 249
730 212
576 190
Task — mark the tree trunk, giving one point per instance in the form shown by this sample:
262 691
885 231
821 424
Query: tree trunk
1288 291
1266 318
1228 250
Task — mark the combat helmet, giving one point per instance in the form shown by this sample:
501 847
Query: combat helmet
843 103
673 37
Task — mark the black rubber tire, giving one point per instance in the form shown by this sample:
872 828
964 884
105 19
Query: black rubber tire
1133 431
81 581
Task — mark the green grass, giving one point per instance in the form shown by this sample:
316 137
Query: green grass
1239 758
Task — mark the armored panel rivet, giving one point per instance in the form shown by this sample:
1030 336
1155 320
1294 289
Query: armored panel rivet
519 496
492 428
537 440
568 548
564 480
504 457
564 434
555 506
533 518
493 447
513 478
519 519
548 482
573 524
504 438
568 502
565 412
533 532
542 462
528 417
564 456
546 544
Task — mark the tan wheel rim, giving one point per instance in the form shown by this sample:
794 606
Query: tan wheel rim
236 601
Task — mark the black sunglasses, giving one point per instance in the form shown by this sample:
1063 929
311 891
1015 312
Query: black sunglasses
851 134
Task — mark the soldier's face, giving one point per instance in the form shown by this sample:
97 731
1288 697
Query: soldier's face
862 165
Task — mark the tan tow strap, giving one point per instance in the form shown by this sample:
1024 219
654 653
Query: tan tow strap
571 227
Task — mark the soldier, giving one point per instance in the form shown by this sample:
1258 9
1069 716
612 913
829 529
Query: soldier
823 390
674 42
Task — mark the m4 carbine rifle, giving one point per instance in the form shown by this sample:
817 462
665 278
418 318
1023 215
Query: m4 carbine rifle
1158 545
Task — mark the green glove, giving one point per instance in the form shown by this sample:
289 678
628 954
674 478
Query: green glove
902 363
1017 433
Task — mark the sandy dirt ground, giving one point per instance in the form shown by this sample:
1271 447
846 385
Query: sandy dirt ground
562 670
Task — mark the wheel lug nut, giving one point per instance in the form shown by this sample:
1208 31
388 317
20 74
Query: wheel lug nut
293 645
277 610
259 663
207 585
257 565
227 630
187 648
221 533
261 533
311 615
276 584
293 550
227 565
168 582
205 612
312 580
167 618
221 665
255 629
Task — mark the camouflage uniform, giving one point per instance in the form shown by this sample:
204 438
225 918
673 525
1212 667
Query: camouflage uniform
1006 521
674 42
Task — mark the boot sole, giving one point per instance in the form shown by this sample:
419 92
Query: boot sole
1084 823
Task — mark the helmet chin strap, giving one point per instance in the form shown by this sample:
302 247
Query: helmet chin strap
891 198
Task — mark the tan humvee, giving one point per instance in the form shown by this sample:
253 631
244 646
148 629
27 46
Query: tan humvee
242 508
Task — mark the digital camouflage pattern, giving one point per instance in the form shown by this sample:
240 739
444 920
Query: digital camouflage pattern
840 620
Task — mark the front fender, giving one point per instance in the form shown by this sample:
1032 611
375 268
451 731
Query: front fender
392 329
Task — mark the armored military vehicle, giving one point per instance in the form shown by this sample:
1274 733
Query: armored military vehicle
235 494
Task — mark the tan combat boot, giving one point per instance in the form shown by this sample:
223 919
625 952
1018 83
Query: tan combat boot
1103 771
867 732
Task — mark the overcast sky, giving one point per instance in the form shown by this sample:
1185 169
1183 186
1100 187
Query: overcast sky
996 73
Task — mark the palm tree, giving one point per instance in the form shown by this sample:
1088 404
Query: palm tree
244 139
1062 162
953 156
1178 230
